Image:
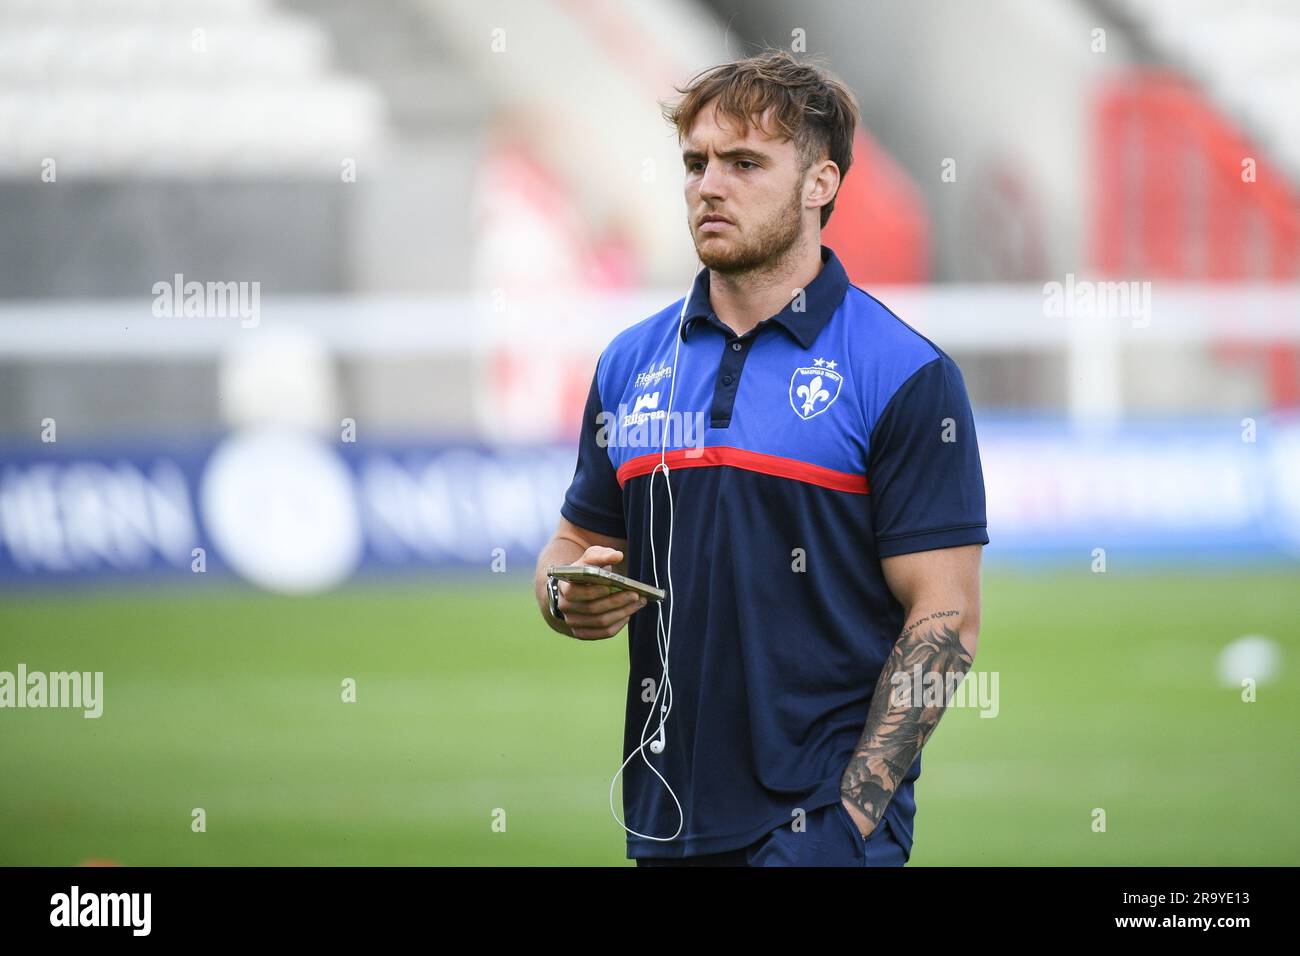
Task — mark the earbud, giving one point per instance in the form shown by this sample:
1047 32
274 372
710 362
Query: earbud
659 743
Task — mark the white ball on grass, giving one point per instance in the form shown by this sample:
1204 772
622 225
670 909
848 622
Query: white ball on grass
1252 656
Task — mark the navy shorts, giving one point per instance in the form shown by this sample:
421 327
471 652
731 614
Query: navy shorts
829 838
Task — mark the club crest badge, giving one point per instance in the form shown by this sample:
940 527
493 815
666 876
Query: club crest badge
814 388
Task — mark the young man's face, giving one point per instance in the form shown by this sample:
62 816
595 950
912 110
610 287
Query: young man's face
753 182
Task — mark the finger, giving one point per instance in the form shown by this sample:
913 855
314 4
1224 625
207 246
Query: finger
606 619
601 557
583 592
609 602
623 603
597 633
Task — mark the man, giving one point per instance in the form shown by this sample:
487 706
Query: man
826 539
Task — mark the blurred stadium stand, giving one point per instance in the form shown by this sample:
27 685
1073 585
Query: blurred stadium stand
201 138
1243 56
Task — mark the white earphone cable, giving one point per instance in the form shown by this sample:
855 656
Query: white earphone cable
663 700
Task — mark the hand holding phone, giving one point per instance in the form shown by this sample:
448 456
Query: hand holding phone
595 601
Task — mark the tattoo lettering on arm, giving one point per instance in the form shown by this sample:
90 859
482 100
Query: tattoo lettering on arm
896 730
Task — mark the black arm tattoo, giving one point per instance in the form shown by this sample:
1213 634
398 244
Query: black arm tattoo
899 723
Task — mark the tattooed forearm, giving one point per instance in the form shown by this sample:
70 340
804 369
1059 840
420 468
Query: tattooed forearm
898 724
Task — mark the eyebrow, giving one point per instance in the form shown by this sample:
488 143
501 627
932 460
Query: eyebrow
739 153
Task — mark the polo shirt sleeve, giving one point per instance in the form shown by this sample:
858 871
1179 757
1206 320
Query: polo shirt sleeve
923 471
594 500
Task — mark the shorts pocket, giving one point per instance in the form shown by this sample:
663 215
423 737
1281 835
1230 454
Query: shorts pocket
851 830
883 847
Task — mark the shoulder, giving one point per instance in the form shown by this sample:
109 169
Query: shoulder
888 335
888 353
646 332
632 349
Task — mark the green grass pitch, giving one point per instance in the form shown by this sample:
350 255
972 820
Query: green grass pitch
230 701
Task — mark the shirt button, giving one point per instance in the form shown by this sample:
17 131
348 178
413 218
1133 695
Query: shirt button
736 346
726 380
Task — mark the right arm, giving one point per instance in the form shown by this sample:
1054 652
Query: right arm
591 611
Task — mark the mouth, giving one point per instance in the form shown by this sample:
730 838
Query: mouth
713 223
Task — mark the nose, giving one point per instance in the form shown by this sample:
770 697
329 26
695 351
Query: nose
711 182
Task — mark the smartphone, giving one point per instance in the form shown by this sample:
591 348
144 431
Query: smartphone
587 574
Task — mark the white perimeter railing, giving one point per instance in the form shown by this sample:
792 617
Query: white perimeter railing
1091 324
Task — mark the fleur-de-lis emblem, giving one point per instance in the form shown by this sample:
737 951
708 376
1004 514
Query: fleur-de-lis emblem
811 394
814 388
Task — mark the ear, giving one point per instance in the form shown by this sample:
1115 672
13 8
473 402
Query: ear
824 183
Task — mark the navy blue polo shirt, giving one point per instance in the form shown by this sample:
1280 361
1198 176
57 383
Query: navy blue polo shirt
828 437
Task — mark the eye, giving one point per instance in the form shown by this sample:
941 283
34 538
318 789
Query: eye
749 162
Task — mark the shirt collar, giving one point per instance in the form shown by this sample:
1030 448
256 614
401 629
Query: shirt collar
821 298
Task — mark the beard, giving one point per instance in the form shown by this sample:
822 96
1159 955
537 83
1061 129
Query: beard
758 249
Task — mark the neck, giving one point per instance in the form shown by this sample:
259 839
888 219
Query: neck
741 300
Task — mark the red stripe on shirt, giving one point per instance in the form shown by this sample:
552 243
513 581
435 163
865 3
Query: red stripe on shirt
717 455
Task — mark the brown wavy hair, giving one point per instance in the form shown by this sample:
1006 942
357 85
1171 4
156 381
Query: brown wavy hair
811 107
